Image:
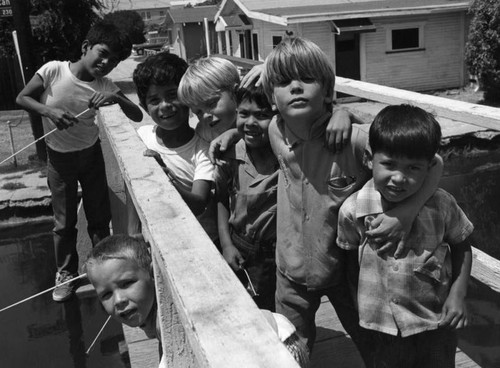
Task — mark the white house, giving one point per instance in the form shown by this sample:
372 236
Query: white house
413 45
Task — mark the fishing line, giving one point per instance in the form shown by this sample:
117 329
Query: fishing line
97 336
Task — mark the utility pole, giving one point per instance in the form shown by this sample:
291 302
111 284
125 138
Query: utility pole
20 13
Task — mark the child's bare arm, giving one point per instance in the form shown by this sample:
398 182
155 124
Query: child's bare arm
222 143
338 130
29 99
130 109
196 199
454 313
390 229
229 251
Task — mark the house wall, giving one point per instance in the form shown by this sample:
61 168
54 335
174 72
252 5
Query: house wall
439 65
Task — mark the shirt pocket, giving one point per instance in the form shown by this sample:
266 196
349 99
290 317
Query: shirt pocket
340 187
434 266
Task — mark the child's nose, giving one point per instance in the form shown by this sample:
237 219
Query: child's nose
399 177
120 300
296 86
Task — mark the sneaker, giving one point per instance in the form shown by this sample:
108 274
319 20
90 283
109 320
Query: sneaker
66 291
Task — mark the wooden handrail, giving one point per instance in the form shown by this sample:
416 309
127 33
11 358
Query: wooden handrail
208 318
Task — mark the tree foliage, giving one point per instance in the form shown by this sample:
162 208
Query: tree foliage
129 22
483 46
59 27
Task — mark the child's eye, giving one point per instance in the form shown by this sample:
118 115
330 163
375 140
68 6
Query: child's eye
243 114
104 296
153 101
308 80
264 115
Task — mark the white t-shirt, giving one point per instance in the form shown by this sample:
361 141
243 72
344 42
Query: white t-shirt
65 91
189 162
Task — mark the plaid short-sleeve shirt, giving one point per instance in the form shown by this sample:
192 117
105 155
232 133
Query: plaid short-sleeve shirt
403 295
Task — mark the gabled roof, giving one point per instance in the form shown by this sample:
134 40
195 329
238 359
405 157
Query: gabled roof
298 11
181 14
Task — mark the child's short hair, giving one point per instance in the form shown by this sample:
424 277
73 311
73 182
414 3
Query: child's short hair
159 69
109 34
123 247
405 130
206 79
254 94
297 58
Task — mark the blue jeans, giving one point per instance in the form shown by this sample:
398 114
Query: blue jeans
64 172
300 305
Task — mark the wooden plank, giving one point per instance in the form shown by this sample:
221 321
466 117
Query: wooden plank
220 322
486 269
478 115
143 352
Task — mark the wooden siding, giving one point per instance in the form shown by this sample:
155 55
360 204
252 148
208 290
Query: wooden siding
439 65
321 34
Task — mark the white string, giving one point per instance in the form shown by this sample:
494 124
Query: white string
43 292
97 336
42 137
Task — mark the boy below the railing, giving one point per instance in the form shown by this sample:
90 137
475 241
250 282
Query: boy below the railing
410 306
59 92
121 270
182 154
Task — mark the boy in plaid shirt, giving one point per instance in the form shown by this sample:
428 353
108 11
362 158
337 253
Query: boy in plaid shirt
411 306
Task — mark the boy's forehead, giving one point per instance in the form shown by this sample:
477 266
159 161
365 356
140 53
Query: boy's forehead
401 158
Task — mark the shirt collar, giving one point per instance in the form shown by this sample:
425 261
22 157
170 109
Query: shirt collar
368 201
241 154
316 129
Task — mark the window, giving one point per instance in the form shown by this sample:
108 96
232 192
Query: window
276 40
162 13
405 38
255 42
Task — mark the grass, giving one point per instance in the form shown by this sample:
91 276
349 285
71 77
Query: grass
21 136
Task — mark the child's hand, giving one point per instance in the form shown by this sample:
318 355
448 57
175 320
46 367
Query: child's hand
454 313
338 131
152 153
99 99
388 232
62 119
233 257
254 73
222 143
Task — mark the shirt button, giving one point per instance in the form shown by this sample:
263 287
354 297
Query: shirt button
306 181
395 301
395 268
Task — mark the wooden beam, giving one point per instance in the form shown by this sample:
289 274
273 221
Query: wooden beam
486 269
478 115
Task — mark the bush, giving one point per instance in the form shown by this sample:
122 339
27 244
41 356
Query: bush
483 47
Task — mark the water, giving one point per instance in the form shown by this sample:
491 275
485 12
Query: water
40 332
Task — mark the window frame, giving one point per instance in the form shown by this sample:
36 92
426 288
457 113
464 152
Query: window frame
403 26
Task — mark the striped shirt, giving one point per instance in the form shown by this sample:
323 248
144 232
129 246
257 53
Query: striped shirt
403 295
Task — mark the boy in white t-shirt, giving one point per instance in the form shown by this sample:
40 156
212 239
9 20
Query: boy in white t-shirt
59 91
181 153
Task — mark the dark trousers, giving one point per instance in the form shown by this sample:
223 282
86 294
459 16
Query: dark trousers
429 349
299 305
65 170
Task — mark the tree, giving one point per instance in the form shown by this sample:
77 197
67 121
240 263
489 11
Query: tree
129 22
60 26
483 46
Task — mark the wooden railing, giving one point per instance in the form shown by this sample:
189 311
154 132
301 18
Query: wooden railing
208 319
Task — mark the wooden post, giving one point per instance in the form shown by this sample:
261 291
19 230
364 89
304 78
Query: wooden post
20 13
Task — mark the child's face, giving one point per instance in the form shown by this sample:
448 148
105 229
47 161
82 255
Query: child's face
301 99
164 107
398 177
99 59
126 291
219 114
252 122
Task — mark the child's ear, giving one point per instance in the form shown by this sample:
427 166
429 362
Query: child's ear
85 46
369 159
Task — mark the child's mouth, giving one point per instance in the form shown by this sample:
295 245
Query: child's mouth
127 314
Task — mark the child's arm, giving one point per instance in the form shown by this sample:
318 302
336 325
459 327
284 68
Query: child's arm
390 229
229 251
220 144
454 313
130 109
338 130
196 199
29 99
